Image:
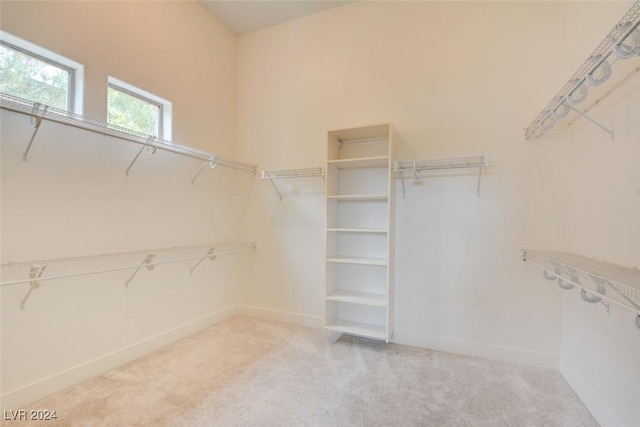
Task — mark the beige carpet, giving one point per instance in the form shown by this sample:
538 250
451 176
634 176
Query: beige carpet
248 372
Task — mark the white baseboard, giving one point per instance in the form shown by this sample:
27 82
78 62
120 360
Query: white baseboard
315 322
18 398
475 349
590 398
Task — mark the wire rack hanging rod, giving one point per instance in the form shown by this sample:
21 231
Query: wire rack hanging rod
25 107
292 173
251 247
616 284
602 54
433 164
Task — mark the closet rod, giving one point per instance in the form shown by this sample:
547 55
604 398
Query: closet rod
37 264
291 173
616 284
39 113
417 166
612 62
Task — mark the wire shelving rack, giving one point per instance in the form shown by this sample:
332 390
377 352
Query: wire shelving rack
416 167
39 113
598 280
273 175
37 271
613 62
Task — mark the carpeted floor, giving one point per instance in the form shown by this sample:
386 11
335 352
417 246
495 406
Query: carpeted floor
249 372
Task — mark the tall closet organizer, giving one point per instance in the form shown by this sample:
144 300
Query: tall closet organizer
360 231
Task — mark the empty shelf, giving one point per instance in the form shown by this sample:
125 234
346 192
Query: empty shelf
41 112
364 162
608 66
14 273
353 297
358 260
359 230
356 328
439 164
359 197
613 282
292 173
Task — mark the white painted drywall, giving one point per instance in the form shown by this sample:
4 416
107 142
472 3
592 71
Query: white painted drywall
72 197
601 349
456 79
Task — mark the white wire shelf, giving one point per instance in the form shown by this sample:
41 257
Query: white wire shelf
613 61
34 272
39 112
599 279
272 175
416 167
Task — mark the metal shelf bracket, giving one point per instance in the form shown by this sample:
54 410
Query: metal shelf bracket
275 187
209 162
34 274
586 117
209 255
149 146
146 263
38 113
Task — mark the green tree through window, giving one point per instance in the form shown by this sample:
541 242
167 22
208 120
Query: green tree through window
133 113
35 79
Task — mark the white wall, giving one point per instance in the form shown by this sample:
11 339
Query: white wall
600 349
456 79
72 197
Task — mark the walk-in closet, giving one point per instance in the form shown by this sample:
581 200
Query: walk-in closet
320 213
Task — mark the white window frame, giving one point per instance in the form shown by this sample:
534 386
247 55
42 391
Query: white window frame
165 106
76 81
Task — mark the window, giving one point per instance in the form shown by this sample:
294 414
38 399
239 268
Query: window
31 72
135 109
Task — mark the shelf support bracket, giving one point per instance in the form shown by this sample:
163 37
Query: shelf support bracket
479 178
148 146
275 187
586 117
146 263
34 274
209 255
402 182
36 121
210 162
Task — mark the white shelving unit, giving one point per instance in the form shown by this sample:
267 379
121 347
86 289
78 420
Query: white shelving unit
360 231
598 279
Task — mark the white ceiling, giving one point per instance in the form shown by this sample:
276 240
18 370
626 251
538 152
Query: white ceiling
246 16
